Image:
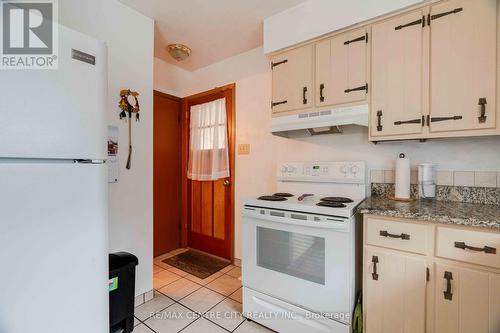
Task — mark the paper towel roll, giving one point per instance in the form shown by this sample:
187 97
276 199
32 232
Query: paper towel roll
403 170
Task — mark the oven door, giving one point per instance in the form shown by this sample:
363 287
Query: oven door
309 263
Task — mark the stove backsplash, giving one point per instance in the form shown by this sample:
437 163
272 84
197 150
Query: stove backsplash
458 186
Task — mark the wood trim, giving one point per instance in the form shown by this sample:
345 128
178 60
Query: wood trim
185 192
172 97
158 209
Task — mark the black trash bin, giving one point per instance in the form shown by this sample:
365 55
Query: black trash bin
121 291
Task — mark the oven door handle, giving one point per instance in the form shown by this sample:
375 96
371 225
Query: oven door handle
253 213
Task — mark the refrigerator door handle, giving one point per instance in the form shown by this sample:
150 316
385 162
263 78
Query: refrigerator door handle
89 161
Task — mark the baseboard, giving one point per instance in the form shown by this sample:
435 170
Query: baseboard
143 298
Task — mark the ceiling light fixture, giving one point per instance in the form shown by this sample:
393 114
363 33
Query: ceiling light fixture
179 51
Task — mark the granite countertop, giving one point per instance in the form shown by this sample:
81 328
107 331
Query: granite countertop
458 213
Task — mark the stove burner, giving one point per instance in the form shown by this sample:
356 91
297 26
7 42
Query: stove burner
283 195
331 204
272 198
337 199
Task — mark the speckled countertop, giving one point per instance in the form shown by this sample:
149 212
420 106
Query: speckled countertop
458 213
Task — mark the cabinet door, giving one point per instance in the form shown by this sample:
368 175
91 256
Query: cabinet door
396 89
293 79
463 65
341 69
395 298
466 300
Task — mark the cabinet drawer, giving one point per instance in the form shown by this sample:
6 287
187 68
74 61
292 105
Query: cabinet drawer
396 235
476 247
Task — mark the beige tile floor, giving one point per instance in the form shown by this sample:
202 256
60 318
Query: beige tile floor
184 303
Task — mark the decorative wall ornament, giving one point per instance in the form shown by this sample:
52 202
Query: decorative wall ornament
128 109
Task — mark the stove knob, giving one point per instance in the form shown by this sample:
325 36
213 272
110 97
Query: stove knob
291 169
283 168
354 169
344 169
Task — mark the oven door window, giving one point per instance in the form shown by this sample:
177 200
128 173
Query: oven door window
298 255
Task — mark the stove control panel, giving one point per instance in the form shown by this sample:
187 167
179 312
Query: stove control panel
335 172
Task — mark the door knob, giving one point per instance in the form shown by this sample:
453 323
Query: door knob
226 182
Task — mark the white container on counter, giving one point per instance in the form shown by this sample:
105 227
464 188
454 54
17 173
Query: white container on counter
427 180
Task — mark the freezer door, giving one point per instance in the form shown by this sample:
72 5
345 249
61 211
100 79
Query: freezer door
53 248
56 113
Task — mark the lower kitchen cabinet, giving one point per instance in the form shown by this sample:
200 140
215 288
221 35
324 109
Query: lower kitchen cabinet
435 291
395 292
466 300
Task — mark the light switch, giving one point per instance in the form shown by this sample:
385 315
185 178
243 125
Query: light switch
244 149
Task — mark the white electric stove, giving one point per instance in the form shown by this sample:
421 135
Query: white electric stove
300 263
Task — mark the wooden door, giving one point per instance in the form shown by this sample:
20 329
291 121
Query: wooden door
166 173
397 64
463 65
395 298
341 69
293 80
469 302
209 209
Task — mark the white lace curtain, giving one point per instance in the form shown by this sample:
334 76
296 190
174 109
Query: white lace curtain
208 147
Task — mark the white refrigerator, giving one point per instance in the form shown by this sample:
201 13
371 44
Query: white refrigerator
53 193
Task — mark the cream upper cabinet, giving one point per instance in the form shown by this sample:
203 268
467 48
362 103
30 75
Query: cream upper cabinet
293 79
394 294
463 37
341 68
466 300
397 65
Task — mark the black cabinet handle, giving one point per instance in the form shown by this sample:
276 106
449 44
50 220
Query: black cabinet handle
482 103
304 99
273 104
375 262
384 233
413 121
365 87
485 249
274 64
420 21
454 11
321 97
448 295
359 39
379 120
436 119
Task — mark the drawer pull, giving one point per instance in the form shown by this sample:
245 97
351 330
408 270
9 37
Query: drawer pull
365 88
273 104
375 262
482 104
384 233
448 295
274 64
379 121
321 97
485 249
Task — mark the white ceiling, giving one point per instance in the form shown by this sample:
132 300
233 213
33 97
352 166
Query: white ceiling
213 29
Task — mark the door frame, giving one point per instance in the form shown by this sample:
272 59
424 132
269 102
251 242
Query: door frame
229 91
155 189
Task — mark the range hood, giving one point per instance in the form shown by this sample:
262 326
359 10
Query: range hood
321 122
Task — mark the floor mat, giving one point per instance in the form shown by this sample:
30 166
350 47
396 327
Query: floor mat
196 263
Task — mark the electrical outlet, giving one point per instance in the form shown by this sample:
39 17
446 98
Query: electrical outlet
244 149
